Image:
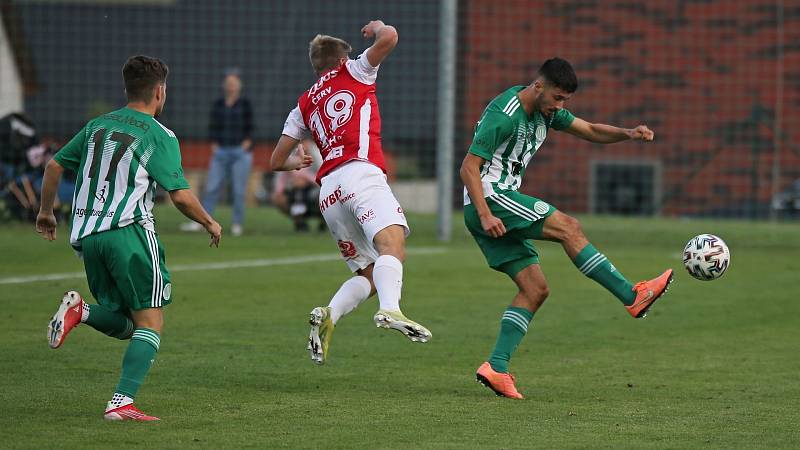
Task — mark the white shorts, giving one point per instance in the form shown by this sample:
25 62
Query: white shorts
357 203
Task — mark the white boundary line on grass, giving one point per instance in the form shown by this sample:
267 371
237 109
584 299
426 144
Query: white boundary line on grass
285 261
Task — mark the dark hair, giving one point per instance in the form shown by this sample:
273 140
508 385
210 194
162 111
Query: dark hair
560 74
141 74
325 51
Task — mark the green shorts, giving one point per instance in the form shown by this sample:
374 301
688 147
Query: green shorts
126 269
523 217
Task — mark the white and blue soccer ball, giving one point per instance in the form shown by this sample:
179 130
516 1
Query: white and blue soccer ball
706 257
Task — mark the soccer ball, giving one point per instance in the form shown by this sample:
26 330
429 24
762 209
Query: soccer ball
706 257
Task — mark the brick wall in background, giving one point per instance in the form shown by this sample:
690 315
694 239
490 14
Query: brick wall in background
702 74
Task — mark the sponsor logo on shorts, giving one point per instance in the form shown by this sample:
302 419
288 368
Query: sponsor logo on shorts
399 210
541 207
366 217
167 291
348 249
335 196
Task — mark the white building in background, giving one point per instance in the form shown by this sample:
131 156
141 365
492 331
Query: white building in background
10 80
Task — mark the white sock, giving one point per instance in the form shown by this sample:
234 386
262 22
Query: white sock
388 278
352 293
85 312
119 400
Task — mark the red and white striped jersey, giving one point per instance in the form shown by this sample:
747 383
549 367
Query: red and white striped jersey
341 112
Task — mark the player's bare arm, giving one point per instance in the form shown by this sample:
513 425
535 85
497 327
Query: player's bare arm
189 206
471 177
385 41
601 133
46 220
282 158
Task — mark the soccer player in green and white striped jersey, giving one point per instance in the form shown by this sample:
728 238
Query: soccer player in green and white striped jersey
120 157
505 222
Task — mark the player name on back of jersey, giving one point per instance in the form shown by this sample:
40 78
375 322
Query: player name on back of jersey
129 120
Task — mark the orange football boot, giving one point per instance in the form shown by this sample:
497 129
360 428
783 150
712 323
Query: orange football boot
501 383
647 292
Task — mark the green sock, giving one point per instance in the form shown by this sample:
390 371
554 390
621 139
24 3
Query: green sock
596 266
140 355
513 327
114 324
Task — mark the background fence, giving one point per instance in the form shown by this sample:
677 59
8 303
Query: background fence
718 81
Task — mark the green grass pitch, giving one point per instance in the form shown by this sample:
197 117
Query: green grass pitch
716 364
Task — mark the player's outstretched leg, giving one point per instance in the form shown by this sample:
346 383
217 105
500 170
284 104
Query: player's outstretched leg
514 324
595 265
387 274
647 292
323 319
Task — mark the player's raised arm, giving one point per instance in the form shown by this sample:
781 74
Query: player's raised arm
601 133
385 41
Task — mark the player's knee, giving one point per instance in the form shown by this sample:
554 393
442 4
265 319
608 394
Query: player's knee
149 319
391 241
539 294
535 296
571 228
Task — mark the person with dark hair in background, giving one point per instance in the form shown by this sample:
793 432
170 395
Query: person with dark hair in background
230 129
119 158
505 222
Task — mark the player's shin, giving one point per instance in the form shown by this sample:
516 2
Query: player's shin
513 327
352 293
114 324
596 266
138 358
388 278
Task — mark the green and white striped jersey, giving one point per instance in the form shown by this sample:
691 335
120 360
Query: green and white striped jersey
507 138
119 157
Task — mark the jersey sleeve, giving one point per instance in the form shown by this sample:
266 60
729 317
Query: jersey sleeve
562 119
294 127
492 130
164 165
69 157
362 70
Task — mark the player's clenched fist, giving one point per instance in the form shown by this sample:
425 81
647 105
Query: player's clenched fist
371 28
642 133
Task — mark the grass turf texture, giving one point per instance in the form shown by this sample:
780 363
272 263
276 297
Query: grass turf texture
714 365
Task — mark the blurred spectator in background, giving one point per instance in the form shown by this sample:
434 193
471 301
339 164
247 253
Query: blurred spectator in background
230 130
25 189
22 162
296 193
